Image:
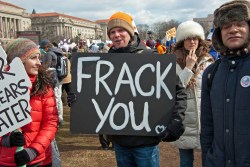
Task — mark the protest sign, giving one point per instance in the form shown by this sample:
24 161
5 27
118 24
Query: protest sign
128 94
14 95
171 33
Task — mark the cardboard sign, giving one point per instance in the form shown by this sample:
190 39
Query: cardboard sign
14 96
171 33
126 94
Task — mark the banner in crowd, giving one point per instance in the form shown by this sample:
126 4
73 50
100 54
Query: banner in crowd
14 95
127 94
171 33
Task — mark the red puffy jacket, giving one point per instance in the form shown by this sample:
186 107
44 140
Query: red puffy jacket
39 133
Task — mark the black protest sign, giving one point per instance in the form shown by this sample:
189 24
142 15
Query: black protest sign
14 96
128 94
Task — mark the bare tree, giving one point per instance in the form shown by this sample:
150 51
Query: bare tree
160 28
143 29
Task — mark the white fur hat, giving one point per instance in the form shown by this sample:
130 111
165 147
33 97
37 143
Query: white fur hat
189 29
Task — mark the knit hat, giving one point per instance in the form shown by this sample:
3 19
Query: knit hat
121 19
22 48
236 10
43 43
189 29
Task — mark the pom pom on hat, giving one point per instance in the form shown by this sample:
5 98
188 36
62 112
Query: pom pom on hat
121 19
22 48
189 29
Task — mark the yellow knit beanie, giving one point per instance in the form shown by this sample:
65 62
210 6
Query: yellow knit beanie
121 19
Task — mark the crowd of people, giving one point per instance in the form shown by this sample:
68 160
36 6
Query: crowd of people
211 109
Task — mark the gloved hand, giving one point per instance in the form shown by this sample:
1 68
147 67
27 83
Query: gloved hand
173 131
25 156
71 97
16 139
22 158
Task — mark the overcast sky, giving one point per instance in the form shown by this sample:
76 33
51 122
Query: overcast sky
143 11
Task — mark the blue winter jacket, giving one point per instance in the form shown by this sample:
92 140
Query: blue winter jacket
225 114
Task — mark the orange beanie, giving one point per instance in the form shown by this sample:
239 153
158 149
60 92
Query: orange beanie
121 19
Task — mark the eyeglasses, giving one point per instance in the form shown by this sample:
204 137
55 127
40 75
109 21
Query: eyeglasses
192 39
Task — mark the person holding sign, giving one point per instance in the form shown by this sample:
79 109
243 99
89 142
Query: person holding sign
225 109
192 58
132 151
36 136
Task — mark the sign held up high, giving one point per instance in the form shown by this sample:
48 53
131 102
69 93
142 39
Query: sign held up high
14 95
126 94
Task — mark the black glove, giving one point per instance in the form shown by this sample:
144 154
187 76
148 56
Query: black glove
22 158
173 131
71 97
16 139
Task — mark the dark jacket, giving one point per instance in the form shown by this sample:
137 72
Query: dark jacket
141 141
225 114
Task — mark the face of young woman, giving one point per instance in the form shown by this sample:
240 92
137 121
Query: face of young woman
191 43
119 37
32 64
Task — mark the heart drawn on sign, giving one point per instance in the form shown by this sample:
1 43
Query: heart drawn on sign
160 128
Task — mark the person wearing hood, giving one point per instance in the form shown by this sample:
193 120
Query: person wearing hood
192 58
225 109
133 151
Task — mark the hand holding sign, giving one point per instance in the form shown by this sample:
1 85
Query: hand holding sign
14 96
14 100
17 139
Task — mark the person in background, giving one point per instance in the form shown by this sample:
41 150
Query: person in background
192 58
38 134
225 109
150 42
170 44
49 62
212 51
66 82
83 46
94 48
160 48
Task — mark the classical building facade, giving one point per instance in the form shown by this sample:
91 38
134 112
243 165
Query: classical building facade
206 22
103 24
12 19
53 26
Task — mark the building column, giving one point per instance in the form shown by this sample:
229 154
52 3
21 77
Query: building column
7 27
1 27
15 30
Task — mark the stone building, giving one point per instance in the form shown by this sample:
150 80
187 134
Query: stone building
56 26
12 19
104 24
206 22
53 26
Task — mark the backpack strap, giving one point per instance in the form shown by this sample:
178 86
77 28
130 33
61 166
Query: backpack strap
212 72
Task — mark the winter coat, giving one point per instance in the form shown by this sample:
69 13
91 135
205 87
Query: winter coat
142 141
191 136
225 114
40 132
160 48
